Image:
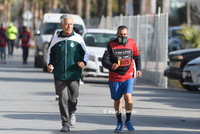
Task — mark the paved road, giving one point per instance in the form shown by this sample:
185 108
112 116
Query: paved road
28 106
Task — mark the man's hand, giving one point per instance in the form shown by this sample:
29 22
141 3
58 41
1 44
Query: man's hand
50 68
115 66
81 64
138 73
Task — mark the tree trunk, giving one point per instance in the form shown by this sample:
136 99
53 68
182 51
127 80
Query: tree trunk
1 13
109 8
153 6
188 13
8 11
40 12
100 8
136 7
65 2
36 11
55 4
166 6
24 8
87 13
143 7
79 7
122 6
48 6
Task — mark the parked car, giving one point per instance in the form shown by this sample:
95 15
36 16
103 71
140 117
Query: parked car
174 41
96 41
177 61
191 74
50 22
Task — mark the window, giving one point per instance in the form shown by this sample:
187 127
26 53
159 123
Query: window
98 39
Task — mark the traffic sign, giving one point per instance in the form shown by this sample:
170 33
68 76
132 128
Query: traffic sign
27 15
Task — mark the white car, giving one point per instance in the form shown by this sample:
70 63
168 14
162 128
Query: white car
96 41
191 74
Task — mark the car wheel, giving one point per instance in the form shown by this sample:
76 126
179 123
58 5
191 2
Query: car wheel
194 88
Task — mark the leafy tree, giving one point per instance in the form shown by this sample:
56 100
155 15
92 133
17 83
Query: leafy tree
191 36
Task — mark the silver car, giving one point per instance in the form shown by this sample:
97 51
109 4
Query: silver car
96 41
191 74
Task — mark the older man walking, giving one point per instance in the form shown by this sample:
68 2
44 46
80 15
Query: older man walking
66 57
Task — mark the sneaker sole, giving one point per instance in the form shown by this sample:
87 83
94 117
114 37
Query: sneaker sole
64 131
128 130
119 131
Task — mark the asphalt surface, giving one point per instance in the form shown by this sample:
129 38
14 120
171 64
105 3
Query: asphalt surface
28 106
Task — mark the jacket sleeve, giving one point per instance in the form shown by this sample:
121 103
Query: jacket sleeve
86 51
137 62
50 54
106 58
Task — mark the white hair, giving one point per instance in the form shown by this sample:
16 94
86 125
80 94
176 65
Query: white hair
65 16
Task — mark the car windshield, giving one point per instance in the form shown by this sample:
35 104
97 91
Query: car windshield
49 28
98 39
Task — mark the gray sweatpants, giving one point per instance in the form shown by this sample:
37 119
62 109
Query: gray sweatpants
68 92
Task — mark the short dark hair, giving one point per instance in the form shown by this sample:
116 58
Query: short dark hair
121 27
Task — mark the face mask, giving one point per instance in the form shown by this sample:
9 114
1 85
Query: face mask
122 39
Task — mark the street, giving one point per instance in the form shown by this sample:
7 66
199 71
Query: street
28 106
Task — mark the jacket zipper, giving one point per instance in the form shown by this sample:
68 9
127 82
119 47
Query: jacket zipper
65 58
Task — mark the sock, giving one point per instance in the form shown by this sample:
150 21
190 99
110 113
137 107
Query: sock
128 117
119 118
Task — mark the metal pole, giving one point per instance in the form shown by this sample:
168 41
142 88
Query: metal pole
107 22
146 49
138 26
157 46
188 13
121 18
166 47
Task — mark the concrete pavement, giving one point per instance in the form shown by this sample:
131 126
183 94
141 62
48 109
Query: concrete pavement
27 105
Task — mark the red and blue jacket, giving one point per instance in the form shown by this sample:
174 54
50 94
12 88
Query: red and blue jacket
3 40
124 55
25 36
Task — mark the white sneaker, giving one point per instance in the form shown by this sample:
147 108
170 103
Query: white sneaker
72 120
65 129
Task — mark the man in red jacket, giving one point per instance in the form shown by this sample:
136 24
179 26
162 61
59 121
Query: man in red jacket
25 36
3 40
119 59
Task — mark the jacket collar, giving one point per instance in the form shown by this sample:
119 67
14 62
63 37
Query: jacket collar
63 36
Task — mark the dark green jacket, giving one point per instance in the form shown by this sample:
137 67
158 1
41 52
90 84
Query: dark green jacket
64 53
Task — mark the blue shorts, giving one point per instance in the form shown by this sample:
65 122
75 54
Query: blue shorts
117 89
